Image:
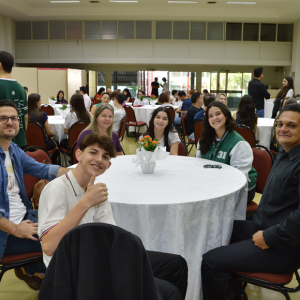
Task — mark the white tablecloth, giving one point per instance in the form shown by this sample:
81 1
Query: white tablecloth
269 107
264 131
57 126
182 208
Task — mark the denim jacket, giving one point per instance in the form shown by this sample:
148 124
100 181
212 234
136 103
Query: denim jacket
22 164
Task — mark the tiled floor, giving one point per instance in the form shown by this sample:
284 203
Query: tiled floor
11 288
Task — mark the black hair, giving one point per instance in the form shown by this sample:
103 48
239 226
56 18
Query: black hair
208 99
181 93
34 114
7 61
195 96
9 103
128 93
100 90
258 71
282 93
174 92
290 107
77 103
106 94
208 135
168 128
83 89
25 88
142 91
120 98
246 111
61 91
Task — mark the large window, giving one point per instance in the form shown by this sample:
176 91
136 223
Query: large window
126 30
198 30
251 31
233 31
143 29
268 32
181 30
40 30
74 30
122 80
57 30
215 31
109 30
285 32
92 30
164 30
101 80
23 30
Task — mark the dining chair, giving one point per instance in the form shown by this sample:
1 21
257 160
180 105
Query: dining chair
190 141
182 149
48 109
172 113
122 129
247 133
72 155
198 130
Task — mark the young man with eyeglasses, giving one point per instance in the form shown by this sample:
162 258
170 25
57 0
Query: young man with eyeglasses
10 89
18 222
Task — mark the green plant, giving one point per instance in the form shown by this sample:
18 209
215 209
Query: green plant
148 144
52 98
64 107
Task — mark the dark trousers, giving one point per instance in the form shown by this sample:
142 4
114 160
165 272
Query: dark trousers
243 255
15 245
276 108
170 272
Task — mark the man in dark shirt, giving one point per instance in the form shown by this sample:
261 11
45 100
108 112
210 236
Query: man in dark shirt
271 242
197 102
257 90
155 86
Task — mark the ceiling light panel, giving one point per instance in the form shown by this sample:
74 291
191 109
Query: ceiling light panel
65 1
190 2
241 2
123 1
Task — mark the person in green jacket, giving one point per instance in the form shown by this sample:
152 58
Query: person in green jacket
221 143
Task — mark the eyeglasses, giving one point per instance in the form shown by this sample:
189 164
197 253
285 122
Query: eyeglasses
212 166
4 119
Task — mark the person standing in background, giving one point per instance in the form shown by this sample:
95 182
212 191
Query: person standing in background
86 98
11 90
257 90
164 85
155 86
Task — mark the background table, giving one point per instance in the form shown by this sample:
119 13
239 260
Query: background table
57 106
264 131
182 208
269 107
56 124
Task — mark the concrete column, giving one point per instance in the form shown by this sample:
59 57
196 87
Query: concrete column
296 57
7 35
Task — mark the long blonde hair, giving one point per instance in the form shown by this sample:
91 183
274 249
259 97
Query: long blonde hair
93 124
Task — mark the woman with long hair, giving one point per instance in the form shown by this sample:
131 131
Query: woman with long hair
99 93
60 98
77 113
163 100
221 143
102 123
105 98
127 95
39 116
245 114
222 98
160 127
287 91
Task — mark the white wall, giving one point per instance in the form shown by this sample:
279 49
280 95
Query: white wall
27 77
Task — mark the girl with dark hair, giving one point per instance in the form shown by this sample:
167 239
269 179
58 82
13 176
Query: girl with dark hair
119 111
127 95
99 93
287 91
160 127
105 98
36 115
221 143
246 113
60 98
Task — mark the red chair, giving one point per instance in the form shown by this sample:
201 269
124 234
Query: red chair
172 113
73 157
247 133
122 129
182 149
262 163
74 133
190 142
198 130
35 137
131 121
275 282
131 100
48 109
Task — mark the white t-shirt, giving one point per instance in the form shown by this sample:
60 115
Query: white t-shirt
58 198
87 102
290 93
172 99
118 116
178 103
173 138
71 118
17 209
164 87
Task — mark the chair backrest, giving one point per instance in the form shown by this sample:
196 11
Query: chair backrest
198 130
40 156
48 109
262 163
247 133
130 114
75 131
131 100
183 124
182 150
172 113
73 157
35 135
122 127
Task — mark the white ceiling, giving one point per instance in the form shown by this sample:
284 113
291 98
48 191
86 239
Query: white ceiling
264 11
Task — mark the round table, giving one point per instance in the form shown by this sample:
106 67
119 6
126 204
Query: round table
182 208
264 131
56 124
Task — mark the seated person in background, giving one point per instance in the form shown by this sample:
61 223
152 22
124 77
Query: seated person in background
197 102
102 123
163 100
168 94
275 145
83 201
271 242
60 98
245 114
77 92
87 100
138 101
119 111
207 99
204 92
127 95
222 98
99 94
186 103
37 115
221 143
173 97
196 90
105 98
77 113
190 93
18 221
160 127
109 91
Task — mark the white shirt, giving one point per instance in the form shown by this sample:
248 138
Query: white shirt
58 198
173 138
172 99
178 103
17 209
70 119
118 116
290 93
111 102
87 102
166 104
164 87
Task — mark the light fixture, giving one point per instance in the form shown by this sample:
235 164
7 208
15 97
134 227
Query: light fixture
183 2
71 1
123 1
241 2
